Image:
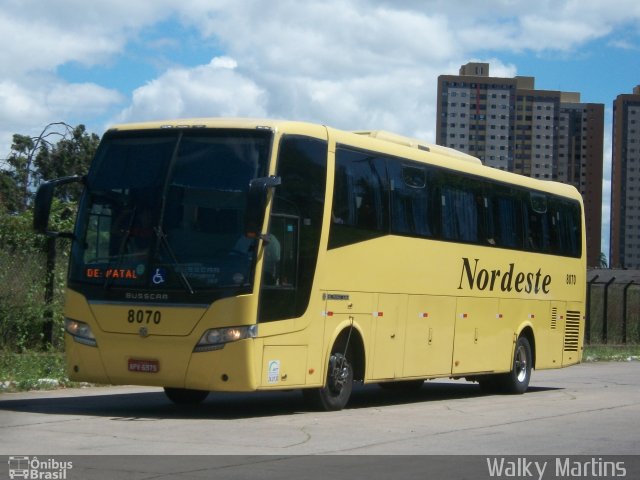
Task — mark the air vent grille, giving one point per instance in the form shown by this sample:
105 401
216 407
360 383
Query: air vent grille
554 318
572 331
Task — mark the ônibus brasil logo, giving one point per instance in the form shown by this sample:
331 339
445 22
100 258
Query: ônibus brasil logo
41 469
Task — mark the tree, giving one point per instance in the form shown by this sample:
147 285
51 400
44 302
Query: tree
9 192
36 159
603 260
71 155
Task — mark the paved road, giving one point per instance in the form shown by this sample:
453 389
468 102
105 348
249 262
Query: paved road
591 409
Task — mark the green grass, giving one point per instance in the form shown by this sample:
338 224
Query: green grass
611 353
32 371
46 371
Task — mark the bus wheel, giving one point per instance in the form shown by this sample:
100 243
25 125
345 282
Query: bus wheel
335 394
185 396
517 380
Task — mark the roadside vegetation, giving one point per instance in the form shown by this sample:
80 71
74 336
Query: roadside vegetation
32 284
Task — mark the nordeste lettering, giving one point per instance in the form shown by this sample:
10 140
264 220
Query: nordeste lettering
507 280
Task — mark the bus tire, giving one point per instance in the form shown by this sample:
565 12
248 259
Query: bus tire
185 396
517 380
337 390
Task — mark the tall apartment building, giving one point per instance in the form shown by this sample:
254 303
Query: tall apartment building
625 182
544 134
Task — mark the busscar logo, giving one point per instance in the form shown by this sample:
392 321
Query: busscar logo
475 277
34 468
145 296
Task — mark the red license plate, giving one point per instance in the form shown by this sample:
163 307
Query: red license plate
144 366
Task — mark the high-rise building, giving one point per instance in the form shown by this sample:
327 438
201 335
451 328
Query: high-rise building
625 182
511 126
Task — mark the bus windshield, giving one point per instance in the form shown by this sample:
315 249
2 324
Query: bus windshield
164 210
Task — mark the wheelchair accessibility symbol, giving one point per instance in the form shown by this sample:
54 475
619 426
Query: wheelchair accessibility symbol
159 276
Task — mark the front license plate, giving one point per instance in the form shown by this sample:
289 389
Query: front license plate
144 366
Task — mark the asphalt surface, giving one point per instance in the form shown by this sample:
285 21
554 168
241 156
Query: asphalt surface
591 409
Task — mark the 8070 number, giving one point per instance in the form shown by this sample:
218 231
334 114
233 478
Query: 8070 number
144 316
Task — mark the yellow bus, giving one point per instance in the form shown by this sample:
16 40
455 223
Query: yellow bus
243 255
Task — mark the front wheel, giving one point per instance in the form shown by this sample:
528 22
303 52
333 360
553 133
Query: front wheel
185 396
335 394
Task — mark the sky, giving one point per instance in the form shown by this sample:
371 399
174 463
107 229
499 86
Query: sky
351 64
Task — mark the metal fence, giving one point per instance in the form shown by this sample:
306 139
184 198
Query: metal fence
613 307
31 298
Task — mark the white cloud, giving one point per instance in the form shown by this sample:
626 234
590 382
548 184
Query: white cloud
209 90
27 107
41 36
349 63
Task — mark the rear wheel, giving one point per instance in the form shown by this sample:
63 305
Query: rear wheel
335 394
185 396
517 380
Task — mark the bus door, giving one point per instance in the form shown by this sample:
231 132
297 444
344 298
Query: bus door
281 251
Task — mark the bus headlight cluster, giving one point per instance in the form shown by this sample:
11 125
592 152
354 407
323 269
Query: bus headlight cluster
80 331
216 338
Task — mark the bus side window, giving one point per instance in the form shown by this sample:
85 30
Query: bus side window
508 220
411 207
459 211
486 225
538 223
360 198
565 228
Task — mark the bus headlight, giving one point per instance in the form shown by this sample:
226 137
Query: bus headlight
216 338
80 331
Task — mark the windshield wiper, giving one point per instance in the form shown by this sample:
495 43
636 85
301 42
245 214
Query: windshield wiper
176 265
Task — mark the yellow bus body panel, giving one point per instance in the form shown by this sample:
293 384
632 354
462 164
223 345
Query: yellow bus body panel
424 308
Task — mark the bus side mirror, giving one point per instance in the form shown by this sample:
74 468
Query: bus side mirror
43 201
257 202
42 207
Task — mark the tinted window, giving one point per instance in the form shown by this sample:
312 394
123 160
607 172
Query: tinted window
412 206
431 202
538 224
507 214
565 228
458 208
360 198
295 227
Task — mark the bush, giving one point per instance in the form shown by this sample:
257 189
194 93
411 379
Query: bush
32 371
23 310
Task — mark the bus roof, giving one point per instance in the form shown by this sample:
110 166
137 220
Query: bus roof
387 142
